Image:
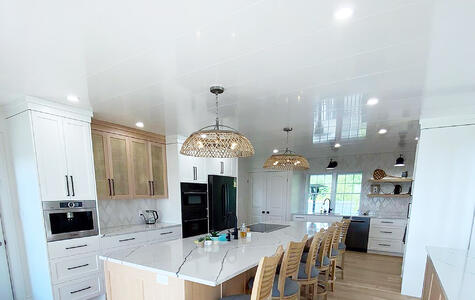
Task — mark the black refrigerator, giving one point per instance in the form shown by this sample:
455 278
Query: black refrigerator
221 202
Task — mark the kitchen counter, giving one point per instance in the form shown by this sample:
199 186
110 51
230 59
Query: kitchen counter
125 229
214 264
456 271
377 216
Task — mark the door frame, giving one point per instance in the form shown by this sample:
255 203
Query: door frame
7 261
286 205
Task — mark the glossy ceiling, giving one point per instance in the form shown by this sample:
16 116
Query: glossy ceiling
283 63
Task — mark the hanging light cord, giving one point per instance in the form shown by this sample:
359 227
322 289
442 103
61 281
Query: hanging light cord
217 113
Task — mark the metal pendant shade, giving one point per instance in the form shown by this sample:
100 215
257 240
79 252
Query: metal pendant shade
217 141
287 161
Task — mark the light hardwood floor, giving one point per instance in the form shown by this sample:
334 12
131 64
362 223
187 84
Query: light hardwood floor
369 277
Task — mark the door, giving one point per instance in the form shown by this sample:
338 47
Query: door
276 196
101 165
158 161
77 136
5 283
142 182
119 166
258 197
51 157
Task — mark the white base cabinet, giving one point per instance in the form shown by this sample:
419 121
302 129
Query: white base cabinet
386 236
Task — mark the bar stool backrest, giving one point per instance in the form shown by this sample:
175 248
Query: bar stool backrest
313 252
326 241
344 230
291 262
264 280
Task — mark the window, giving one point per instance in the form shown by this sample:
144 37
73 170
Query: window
320 188
343 189
348 193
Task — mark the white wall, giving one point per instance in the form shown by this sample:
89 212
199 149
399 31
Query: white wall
11 222
243 191
443 203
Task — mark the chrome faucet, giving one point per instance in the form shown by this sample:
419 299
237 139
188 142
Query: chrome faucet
329 205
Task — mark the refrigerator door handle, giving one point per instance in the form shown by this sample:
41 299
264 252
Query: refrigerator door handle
225 208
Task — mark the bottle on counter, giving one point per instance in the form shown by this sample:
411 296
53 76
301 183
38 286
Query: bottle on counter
243 230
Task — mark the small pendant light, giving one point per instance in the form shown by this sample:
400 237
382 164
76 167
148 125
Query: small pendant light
332 164
399 161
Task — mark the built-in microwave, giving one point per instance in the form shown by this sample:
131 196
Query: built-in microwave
194 200
70 219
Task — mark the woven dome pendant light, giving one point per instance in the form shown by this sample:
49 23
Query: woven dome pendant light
218 140
287 161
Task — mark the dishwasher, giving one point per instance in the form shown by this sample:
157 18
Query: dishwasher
358 234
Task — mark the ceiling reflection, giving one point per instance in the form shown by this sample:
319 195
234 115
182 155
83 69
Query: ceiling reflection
340 119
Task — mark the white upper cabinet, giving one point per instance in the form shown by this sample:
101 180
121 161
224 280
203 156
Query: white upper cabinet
64 154
192 169
51 157
222 166
77 136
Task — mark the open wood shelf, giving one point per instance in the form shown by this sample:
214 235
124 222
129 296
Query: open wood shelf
392 180
389 195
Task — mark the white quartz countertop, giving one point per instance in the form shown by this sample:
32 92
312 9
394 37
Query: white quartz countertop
376 216
215 264
456 271
125 229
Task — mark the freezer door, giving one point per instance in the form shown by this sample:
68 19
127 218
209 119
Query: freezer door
222 202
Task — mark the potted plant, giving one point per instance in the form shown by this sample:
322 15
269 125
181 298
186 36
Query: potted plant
200 242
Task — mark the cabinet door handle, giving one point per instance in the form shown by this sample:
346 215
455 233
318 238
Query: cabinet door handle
74 247
267 212
126 240
153 187
113 187
149 188
385 245
110 187
263 212
222 167
195 173
72 186
169 232
385 231
67 186
80 290
387 222
77 267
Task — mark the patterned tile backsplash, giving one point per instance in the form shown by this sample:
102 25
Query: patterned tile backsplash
123 212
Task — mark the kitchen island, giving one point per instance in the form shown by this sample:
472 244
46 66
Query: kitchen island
180 270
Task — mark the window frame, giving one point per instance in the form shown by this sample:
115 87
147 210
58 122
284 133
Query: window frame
334 186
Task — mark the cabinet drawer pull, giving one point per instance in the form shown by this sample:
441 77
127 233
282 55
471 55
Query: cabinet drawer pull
74 247
67 185
385 245
387 222
126 240
168 232
77 267
385 231
72 186
80 290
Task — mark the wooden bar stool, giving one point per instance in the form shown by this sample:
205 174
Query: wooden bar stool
285 283
323 264
342 246
333 252
264 279
308 273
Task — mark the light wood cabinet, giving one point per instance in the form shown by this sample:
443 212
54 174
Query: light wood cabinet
129 163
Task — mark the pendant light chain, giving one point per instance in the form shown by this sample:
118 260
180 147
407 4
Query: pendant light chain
217 113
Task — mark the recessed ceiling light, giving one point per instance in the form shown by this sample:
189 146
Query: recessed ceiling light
72 98
416 138
275 150
343 13
337 145
139 124
372 101
382 131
